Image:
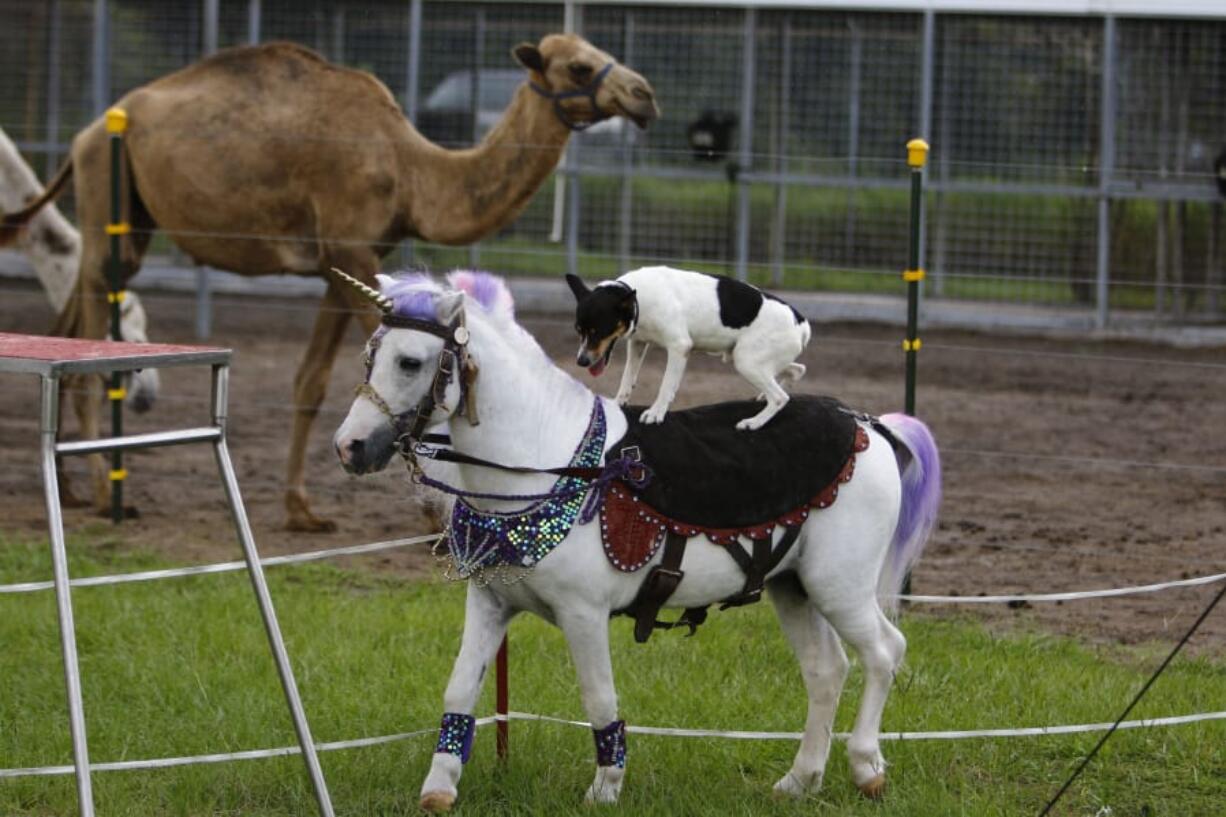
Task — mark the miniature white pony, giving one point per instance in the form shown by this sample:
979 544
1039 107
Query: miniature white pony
519 409
54 249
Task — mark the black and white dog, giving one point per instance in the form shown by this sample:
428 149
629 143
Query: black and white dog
683 311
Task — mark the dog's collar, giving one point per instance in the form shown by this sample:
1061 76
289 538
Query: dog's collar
634 320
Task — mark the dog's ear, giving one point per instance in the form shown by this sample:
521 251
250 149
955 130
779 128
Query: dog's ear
629 301
577 286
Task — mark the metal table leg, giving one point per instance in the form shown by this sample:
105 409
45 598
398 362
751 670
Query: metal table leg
49 422
221 380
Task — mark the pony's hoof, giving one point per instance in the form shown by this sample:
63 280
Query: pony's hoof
436 802
873 789
794 785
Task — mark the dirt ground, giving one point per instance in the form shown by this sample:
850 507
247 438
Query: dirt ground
1069 465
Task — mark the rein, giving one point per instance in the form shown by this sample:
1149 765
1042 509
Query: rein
590 90
628 468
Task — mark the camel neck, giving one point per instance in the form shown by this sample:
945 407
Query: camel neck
458 196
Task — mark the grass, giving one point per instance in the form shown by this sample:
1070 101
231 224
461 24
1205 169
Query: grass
181 667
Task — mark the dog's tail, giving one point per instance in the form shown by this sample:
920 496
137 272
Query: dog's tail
806 332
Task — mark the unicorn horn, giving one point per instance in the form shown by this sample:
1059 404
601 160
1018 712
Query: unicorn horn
374 296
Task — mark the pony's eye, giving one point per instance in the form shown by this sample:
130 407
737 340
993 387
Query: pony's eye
580 71
408 365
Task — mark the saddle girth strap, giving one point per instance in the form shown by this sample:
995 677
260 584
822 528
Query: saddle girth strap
756 567
663 579
657 588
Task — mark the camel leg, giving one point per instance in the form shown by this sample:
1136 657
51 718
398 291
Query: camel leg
824 666
587 635
87 391
92 185
485 623
311 385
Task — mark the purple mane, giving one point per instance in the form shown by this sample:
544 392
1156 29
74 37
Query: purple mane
412 295
488 290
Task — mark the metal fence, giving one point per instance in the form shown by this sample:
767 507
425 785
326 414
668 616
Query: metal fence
1073 153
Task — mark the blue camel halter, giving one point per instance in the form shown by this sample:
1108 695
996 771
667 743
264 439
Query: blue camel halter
590 90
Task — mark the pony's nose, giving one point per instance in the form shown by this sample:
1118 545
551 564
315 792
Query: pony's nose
351 454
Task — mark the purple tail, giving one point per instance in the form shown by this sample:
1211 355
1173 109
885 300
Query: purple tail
921 498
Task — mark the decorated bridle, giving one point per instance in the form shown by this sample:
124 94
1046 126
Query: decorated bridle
410 426
590 90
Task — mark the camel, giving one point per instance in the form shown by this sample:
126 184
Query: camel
269 159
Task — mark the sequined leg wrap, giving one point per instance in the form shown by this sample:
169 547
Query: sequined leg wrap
455 736
611 745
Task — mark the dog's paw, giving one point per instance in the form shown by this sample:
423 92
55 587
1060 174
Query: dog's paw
622 399
750 424
653 416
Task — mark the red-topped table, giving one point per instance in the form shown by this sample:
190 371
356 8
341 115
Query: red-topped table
51 358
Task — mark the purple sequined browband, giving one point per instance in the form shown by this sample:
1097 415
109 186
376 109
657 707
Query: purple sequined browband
482 539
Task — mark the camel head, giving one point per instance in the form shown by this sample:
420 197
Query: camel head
585 83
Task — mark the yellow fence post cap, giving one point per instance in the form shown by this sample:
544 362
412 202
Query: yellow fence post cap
917 153
116 120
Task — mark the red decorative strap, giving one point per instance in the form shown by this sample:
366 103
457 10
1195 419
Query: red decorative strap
632 531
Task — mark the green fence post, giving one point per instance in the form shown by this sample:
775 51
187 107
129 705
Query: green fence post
116 125
917 157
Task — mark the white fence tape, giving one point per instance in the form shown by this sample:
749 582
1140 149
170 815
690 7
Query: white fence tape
372 547
255 754
223 567
1068 596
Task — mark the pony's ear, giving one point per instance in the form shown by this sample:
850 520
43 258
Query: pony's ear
448 306
529 56
577 286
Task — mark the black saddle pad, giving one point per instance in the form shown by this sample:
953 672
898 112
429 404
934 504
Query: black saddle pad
710 474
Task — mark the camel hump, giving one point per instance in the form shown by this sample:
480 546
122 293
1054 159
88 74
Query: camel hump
275 50
267 66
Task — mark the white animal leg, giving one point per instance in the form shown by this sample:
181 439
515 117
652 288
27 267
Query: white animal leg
678 356
485 624
587 634
776 397
630 374
824 665
792 373
880 647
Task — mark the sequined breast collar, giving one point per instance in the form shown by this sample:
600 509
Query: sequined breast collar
478 541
